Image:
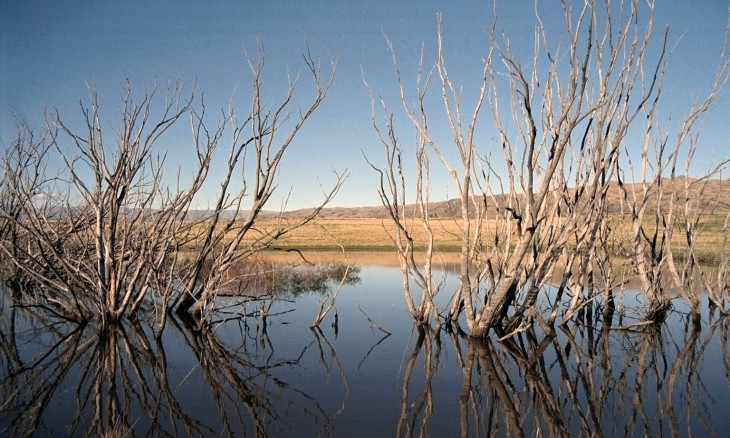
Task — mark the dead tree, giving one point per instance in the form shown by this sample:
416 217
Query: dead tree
85 226
690 274
23 176
263 136
655 196
565 119
393 195
570 123
392 188
108 231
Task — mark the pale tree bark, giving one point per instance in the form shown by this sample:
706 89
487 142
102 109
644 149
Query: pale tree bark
393 196
723 271
565 119
569 126
687 202
393 185
329 301
21 187
270 133
116 178
692 277
83 224
657 182
109 232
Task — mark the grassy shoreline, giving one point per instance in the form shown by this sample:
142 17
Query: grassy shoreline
376 235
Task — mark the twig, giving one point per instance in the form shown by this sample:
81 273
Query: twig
632 325
372 323
519 329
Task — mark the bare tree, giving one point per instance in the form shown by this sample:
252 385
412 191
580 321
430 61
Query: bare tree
84 226
330 299
109 231
686 212
23 176
654 177
393 195
566 121
272 131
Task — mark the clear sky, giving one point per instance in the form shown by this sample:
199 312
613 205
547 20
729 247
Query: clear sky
50 51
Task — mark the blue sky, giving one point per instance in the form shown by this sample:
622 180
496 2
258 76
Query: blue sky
51 51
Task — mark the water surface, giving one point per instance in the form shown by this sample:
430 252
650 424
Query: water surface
374 375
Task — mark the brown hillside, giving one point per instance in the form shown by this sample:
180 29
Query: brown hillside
715 198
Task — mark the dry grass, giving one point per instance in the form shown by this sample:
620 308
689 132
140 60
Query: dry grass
369 228
375 234
354 234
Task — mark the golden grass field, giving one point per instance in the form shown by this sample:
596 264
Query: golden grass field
376 234
369 228
361 234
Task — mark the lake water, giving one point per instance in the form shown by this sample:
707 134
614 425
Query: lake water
358 380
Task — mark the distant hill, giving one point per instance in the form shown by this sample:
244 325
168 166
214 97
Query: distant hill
715 198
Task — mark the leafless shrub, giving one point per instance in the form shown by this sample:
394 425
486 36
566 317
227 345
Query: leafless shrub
536 204
107 232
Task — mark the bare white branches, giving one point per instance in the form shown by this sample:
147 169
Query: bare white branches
111 230
567 122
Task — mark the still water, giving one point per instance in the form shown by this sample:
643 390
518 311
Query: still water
375 375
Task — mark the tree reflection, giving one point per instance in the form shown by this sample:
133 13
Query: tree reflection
416 411
57 378
506 397
322 342
119 381
580 382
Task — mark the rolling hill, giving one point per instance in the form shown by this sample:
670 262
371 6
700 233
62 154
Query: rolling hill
715 198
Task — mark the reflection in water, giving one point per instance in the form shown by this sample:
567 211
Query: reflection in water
416 412
291 381
88 383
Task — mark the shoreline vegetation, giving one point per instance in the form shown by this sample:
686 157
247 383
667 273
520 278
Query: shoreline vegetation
375 234
370 228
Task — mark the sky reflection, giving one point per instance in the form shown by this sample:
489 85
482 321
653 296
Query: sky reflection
288 380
